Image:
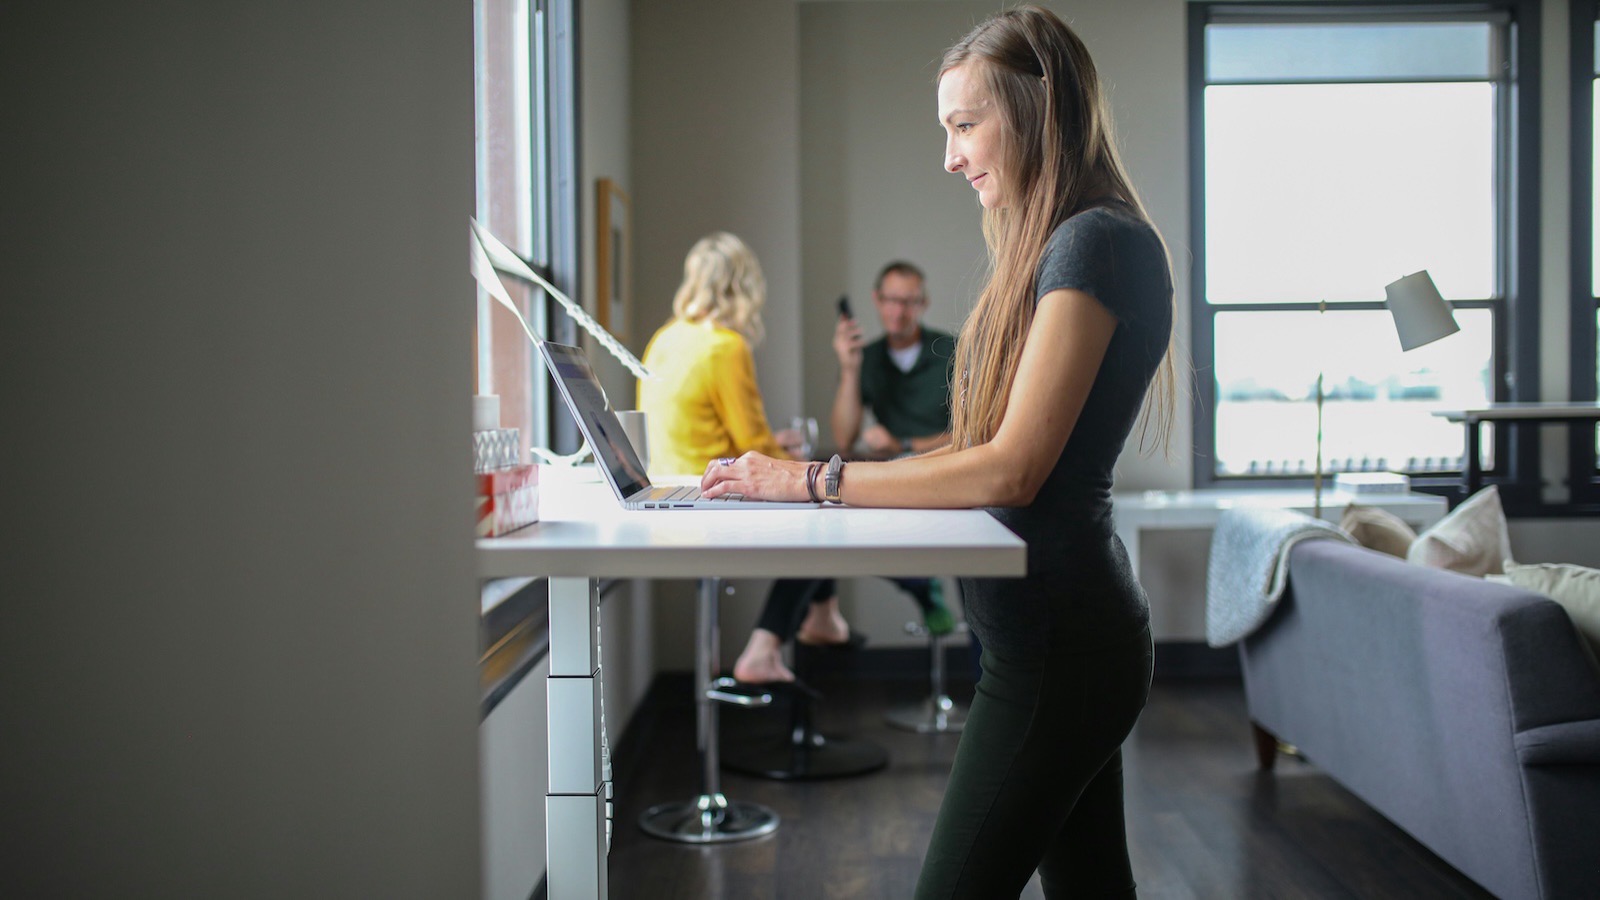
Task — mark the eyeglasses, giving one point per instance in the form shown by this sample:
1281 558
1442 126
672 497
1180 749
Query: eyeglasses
905 302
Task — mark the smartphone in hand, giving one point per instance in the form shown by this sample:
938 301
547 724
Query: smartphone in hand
844 307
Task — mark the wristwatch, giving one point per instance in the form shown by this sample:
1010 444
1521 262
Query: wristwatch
832 479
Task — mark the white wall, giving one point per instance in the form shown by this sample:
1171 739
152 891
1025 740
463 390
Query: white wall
241 612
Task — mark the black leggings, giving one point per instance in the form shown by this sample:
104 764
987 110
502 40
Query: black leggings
786 602
1037 780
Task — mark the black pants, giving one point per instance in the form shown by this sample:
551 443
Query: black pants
1037 781
786 602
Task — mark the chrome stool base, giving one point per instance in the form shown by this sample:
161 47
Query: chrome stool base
935 715
711 819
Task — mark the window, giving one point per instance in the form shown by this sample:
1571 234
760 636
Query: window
525 146
1336 150
1584 446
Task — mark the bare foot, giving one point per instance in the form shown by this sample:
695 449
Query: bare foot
762 660
824 624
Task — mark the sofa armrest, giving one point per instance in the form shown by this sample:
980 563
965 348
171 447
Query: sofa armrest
1561 744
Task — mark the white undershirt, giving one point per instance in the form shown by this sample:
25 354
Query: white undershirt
905 358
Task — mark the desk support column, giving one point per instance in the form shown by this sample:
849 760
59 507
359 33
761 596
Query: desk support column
1473 468
575 819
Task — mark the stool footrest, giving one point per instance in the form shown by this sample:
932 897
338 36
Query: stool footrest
720 692
918 629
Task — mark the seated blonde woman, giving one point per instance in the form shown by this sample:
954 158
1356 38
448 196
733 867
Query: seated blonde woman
704 403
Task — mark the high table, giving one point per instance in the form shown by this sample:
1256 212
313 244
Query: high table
1533 413
1136 513
584 536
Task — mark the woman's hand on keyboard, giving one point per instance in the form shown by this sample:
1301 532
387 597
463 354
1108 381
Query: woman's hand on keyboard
757 477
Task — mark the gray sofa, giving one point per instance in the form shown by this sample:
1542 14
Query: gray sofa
1466 712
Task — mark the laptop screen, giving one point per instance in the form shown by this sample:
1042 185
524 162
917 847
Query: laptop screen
581 390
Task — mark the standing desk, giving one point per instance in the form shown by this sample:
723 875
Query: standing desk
1533 413
584 536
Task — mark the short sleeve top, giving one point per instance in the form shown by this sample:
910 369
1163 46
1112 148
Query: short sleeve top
1079 586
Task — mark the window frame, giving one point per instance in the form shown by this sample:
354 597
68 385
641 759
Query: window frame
1516 324
565 253
543 192
1583 477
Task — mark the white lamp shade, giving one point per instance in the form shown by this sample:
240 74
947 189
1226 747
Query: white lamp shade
1421 314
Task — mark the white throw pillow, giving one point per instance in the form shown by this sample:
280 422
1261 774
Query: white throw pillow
1576 588
1473 539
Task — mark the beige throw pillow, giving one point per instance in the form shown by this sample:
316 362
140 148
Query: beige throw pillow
1473 539
1378 529
1576 588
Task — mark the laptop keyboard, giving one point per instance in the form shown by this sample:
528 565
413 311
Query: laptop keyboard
684 494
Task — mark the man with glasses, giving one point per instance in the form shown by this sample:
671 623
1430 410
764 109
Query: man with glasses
903 377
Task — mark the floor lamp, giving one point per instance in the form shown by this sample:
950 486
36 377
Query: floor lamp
1421 316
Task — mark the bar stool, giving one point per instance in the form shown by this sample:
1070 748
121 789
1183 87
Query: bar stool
710 818
803 752
938 714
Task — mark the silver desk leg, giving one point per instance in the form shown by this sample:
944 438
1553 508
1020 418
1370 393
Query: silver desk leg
575 806
710 818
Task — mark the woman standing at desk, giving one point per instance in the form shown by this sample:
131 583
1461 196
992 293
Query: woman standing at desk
1053 367
704 403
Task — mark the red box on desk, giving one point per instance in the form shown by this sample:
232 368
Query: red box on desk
500 481
507 499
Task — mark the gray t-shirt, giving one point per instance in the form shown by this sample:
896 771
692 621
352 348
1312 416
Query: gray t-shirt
1079 587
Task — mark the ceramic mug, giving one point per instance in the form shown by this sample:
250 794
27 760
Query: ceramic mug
633 426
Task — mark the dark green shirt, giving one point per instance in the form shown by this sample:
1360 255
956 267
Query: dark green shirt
915 403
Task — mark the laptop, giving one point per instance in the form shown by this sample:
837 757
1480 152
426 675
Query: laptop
614 453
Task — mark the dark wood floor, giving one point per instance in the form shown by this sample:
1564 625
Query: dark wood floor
1203 822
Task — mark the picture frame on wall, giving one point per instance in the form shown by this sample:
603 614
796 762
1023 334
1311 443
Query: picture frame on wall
613 270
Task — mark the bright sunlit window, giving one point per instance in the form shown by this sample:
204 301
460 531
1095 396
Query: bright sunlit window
520 101
1339 155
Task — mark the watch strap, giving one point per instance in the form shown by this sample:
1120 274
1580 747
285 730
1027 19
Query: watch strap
832 478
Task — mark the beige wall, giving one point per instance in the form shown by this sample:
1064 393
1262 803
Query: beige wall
872 161
850 83
241 600
715 145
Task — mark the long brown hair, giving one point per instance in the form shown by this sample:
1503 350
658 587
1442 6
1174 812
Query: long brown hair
1058 157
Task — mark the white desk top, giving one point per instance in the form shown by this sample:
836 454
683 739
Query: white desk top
1590 410
583 532
1177 509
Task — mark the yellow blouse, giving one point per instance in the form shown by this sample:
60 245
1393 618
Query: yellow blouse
704 401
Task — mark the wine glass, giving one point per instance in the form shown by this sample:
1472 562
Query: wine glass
806 427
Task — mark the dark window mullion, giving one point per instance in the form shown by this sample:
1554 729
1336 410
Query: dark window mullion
1583 467
1201 313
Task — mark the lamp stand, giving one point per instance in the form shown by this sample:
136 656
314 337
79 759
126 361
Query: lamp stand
1316 482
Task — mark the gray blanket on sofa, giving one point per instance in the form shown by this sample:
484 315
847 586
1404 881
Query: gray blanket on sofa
1249 568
